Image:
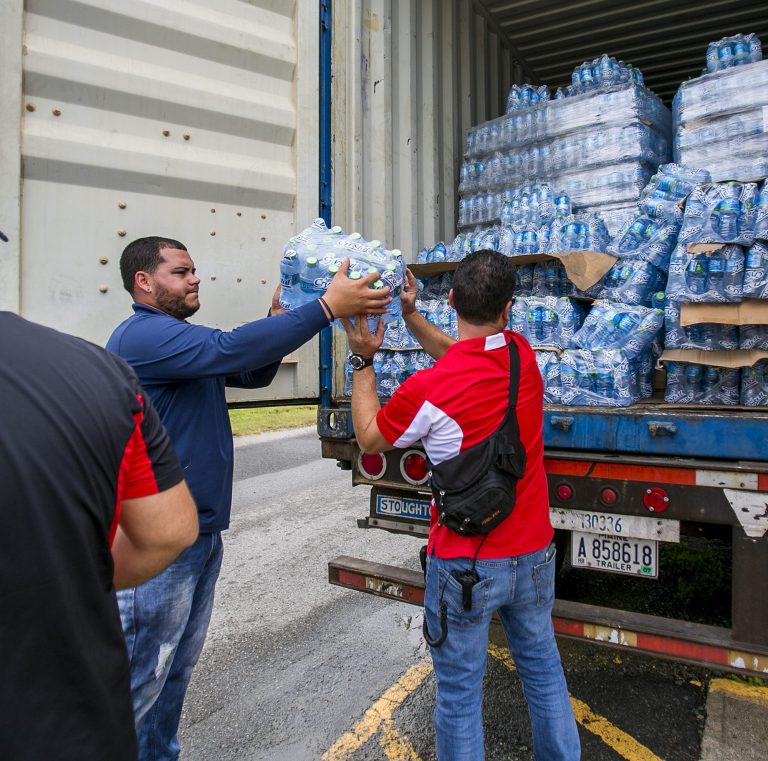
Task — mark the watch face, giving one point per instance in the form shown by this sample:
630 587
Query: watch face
358 362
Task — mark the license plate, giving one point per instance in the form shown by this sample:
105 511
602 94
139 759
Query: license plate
614 524
402 507
615 554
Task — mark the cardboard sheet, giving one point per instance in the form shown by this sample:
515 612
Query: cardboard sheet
747 312
584 268
735 358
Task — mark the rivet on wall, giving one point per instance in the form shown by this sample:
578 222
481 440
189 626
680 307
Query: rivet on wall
56 112
103 289
239 280
213 211
263 216
122 233
30 107
263 239
186 135
166 132
122 205
263 282
239 213
103 260
213 277
213 232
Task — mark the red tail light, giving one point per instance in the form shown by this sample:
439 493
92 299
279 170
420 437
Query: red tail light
564 492
655 499
413 466
609 496
372 466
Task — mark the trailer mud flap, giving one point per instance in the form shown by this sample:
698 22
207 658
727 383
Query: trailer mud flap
699 644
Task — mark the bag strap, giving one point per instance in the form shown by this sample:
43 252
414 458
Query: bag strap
510 418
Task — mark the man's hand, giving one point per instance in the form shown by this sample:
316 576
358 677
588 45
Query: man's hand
409 293
359 336
348 298
275 307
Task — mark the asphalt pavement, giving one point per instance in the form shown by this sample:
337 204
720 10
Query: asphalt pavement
295 669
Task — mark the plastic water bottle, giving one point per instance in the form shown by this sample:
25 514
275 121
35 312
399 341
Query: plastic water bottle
603 384
696 275
725 55
635 236
728 211
562 205
694 374
740 51
716 273
711 384
309 274
289 280
603 329
548 326
625 327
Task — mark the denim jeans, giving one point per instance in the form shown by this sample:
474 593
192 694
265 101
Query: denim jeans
521 589
165 622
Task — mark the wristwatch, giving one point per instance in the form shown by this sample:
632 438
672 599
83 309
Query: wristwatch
358 361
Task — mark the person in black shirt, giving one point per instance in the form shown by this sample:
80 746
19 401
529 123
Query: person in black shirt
91 498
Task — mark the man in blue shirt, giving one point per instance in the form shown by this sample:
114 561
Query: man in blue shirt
185 368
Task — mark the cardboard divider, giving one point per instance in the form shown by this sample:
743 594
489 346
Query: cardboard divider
747 312
731 359
584 268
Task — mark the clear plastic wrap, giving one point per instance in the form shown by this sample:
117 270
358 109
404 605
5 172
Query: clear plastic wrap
546 321
723 212
615 216
647 240
603 378
549 367
755 285
761 217
706 277
718 122
526 96
661 197
753 337
738 50
619 326
689 383
704 336
754 385
630 281
392 369
549 278
312 258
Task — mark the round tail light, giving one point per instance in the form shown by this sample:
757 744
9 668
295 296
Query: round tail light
372 466
564 492
608 496
656 500
413 466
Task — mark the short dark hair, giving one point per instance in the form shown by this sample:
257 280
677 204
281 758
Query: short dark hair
143 255
482 285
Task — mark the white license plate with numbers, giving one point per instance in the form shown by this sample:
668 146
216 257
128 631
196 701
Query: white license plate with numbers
615 554
615 524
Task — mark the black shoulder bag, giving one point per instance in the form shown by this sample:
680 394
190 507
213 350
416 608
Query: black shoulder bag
475 490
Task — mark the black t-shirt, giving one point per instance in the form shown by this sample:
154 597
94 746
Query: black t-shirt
77 435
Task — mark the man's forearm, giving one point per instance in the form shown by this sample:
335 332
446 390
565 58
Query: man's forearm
365 406
431 338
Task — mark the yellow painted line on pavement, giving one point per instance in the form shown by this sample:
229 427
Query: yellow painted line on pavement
739 689
379 713
395 746
622 743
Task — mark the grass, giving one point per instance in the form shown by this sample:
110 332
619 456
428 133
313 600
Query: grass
261 419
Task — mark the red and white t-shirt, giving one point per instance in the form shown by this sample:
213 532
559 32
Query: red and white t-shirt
458 403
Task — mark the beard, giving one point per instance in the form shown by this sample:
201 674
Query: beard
174 305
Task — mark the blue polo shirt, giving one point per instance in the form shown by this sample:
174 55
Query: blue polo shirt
185 368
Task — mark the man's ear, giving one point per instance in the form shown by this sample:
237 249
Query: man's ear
450 298
506 312
142 282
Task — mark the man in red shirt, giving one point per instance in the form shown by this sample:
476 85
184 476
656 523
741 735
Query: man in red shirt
450 407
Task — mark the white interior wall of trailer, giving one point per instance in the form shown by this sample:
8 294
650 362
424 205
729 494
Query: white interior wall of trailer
184 118
409 78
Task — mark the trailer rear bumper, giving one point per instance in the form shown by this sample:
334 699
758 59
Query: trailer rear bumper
699 644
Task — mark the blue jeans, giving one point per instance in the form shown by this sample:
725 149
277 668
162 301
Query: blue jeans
165 622
522 590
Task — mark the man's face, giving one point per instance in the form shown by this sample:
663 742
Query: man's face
175 285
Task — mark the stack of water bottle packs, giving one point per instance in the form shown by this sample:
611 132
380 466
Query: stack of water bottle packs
607 359
600 146
721 257
719 117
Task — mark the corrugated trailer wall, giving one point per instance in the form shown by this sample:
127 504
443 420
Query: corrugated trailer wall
183 119
409 78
